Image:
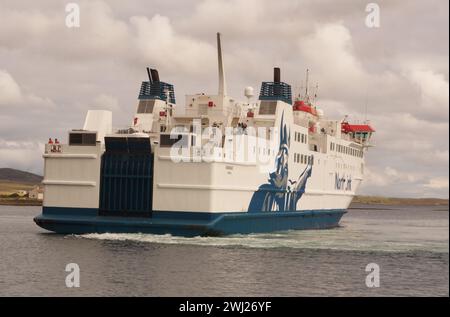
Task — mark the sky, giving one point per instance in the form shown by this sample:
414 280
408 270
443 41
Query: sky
396 74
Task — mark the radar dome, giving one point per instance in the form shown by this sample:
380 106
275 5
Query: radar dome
248 92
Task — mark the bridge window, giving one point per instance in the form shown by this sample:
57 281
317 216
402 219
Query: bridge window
82 138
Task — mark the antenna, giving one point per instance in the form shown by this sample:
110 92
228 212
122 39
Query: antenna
365 107
222 83
300 90
306 89
316 90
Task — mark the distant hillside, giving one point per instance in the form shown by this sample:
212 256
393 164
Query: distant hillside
17 176
375 200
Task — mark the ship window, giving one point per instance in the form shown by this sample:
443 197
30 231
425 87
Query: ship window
267 107
84 138
146 106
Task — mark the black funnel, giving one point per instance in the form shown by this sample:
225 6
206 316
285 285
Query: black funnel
276 75
150 79
155 75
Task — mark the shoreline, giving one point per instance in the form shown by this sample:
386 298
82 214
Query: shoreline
393 201
19 202
357 200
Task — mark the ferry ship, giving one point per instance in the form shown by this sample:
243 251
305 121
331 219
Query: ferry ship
219 167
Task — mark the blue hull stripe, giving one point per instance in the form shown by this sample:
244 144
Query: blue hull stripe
85 220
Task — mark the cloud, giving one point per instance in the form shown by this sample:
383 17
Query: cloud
105 102
11 95
437 183
434 92
9 89
327 45
21 155
168 48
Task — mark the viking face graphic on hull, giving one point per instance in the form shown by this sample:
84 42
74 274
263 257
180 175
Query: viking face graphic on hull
281 193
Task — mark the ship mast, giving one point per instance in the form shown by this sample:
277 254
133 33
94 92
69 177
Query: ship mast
222 82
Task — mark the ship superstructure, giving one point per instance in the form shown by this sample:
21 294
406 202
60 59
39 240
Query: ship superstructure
220 167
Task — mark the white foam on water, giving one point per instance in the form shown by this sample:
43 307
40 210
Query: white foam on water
332 239
394 231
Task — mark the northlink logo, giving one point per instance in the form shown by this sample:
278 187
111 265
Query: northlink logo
342 183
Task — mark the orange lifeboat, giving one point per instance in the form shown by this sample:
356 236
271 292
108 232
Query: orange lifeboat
300 105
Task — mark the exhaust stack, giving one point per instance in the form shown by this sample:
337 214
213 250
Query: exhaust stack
222 83
155 75
150 79
276 75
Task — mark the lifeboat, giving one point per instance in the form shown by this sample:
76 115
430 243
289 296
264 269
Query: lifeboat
300 105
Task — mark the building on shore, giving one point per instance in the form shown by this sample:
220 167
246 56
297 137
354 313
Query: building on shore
37 193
